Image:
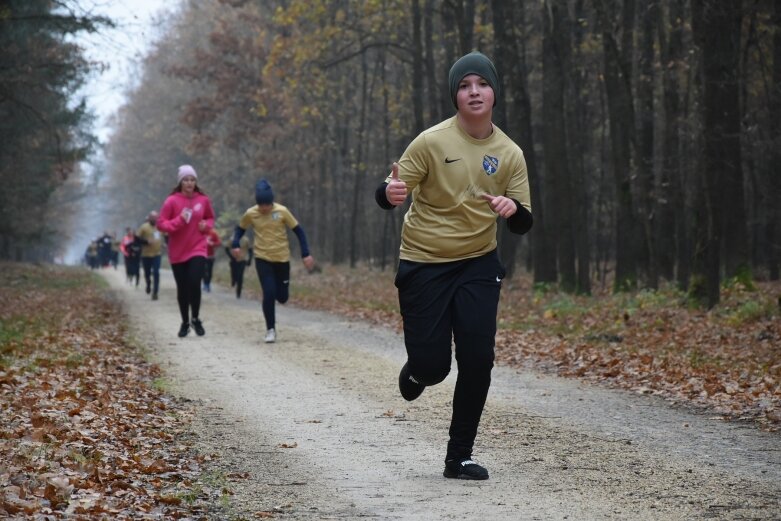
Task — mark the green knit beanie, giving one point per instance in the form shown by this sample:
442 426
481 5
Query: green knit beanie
473 63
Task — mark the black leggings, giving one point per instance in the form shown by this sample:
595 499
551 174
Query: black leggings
207 272
274 281
188 275
457 300
237 274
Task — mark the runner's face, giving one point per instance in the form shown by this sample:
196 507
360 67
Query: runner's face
474 97
265 209
188 185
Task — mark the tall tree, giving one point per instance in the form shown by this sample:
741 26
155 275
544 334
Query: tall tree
558 186
43 131
717 31
576 101
463 12
670 233
522 131
504 57
617 42
646 189
773 234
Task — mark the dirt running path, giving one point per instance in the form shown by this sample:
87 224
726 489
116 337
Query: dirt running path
317 426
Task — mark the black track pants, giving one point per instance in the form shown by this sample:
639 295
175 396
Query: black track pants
188 275
457 300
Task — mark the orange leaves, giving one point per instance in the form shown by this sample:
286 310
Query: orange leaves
82 431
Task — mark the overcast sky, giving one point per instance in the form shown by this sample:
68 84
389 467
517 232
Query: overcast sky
121 49
138 26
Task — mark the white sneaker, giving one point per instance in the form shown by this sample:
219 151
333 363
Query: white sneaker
271 336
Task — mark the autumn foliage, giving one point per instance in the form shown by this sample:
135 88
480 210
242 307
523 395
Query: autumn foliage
83 432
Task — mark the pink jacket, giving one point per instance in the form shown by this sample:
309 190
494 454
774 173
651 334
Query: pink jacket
185 240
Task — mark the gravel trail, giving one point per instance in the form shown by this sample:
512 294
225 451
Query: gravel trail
313 427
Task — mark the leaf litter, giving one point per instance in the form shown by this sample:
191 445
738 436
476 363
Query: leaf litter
84 433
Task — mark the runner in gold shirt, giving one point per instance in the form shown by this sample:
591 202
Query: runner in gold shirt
270 221
462 174
151 252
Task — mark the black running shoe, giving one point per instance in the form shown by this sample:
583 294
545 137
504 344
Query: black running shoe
409 387
154 296
184 329
148 290
198 327
464 469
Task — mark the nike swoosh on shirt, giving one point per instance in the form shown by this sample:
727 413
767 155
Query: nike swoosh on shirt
447 160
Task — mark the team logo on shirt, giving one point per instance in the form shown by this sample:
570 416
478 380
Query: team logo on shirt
197 207
490 164
275 216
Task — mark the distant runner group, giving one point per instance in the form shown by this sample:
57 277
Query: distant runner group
184 227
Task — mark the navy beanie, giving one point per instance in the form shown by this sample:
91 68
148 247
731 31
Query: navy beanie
263 193
473 63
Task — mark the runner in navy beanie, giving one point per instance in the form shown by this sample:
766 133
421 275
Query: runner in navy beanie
263 192
473 63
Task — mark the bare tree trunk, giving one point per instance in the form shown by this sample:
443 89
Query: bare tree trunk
774 217
464 14
621 116
717 30
359 172
558 188
417 68
646 193
520 128
670 205
434 87
576 137
503 44
450 43
725 77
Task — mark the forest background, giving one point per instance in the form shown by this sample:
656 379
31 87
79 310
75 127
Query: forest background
650 129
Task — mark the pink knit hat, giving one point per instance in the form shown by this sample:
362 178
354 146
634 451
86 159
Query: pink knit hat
185 170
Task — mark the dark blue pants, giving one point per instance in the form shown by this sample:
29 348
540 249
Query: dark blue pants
274 281
152 270
208 269
453 300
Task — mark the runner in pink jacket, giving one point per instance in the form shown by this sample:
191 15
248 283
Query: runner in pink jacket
187 217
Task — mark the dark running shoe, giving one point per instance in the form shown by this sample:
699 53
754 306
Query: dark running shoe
464 469
198 327
409 387
184 329
154 296
148 289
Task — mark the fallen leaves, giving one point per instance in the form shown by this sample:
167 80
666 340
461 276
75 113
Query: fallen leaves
82 430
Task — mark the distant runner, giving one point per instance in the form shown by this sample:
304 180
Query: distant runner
269 221
238 261
151 252
130 247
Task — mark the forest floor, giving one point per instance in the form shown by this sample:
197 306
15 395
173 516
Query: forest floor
86 429
106 413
